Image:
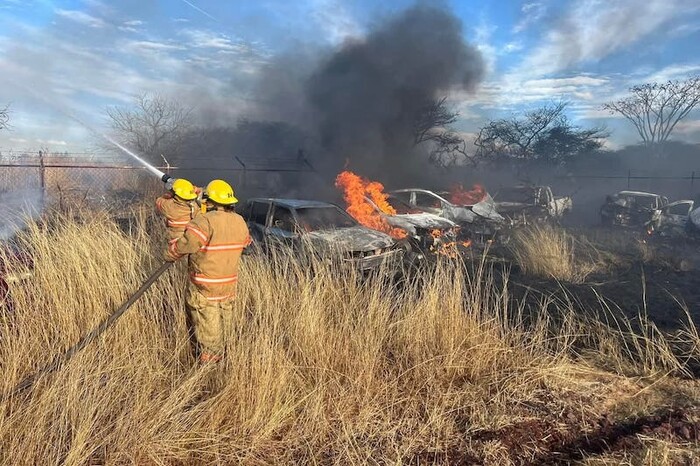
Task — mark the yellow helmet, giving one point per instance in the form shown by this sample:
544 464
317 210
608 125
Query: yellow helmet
221 192
184 189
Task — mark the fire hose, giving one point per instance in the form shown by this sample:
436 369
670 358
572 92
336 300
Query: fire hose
61 359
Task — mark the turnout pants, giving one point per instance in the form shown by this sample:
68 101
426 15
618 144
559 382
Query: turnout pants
208 323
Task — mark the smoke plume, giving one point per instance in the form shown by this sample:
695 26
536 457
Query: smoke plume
367 95
360 101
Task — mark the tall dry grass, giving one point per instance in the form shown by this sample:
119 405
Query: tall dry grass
551 252
322 367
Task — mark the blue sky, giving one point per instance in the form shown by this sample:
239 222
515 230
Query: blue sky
81 56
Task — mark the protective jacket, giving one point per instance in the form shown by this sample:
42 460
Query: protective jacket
214 241
177 213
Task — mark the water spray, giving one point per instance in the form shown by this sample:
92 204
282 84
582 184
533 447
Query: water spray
165 178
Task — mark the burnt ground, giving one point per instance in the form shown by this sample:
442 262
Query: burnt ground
657 277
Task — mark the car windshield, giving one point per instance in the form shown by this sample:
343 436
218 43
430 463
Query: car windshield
400 206
648 202
323 218
520 195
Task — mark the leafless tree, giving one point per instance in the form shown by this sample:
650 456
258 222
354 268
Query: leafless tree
433 126
655 109
544 134
154 124
5 117
515 137
432 119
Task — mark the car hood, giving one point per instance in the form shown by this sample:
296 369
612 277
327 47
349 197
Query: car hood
357 238
487 208
423 220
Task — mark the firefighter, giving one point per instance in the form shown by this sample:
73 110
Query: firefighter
178 206
213 242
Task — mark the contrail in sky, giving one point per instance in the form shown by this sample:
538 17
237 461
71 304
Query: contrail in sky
200 10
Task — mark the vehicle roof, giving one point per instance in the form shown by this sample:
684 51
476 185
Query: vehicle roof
419 190
408 190
637 193
293 203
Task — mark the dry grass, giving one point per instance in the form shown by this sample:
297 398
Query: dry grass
322 367
551 252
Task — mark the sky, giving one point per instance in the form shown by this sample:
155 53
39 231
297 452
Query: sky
62 62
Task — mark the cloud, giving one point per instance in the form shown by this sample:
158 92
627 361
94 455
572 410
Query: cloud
208 39
139 46
511 47
672 72
482 41
593 29
131 26
531 13
337 24
688 127
81 17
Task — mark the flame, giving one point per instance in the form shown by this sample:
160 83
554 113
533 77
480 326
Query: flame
355 189
460 196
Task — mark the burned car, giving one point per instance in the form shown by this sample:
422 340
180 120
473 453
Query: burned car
673 219
632 209
426 232
325 228
479 221
525 204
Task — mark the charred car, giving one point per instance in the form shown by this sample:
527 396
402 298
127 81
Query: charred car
531 204
673 219
325 228
479 221
632 209
425 231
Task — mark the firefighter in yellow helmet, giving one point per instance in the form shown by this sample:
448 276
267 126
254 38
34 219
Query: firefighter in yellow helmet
178 206
213 242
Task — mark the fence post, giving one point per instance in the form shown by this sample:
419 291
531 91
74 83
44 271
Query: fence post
692 180
629 175
244 173
42 174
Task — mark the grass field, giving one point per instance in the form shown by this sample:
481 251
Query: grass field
326 368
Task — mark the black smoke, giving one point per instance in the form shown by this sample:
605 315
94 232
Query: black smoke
366 96
356 103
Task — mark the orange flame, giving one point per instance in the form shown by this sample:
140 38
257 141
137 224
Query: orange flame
355 188
460 196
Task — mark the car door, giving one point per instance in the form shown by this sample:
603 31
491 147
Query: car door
282 228
675 214
256 214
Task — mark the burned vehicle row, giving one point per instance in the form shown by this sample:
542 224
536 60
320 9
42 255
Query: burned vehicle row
479 221
526 204
325 227
632 209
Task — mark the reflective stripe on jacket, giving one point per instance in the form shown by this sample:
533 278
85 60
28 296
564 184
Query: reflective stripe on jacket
214 242
177 213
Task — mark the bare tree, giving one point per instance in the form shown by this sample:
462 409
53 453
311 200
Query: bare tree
655 109
5 117
431 120
154 125
433 126
544 134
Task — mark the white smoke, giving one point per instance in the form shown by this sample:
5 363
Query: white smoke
17 207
